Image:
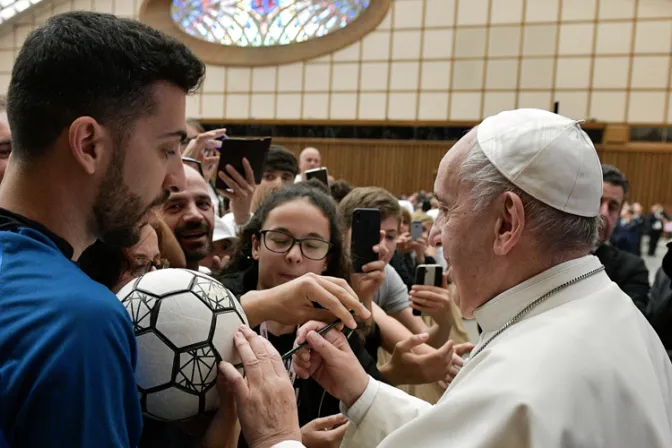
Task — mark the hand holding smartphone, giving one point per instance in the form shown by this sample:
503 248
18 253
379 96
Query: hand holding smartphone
416 230
320 174
430 275
232 152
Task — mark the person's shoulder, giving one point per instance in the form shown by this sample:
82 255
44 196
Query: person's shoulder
614 258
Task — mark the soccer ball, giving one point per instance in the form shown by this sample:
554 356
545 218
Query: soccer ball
184 324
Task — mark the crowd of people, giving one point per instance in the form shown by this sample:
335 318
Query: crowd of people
117 183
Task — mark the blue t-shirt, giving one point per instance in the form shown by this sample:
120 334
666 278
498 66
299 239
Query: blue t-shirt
67 351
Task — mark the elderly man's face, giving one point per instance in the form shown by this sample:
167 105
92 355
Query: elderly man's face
463 233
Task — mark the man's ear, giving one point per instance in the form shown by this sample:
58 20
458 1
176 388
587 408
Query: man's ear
255 247
510 223
87 140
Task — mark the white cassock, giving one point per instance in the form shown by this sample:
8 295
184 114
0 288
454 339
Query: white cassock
582 369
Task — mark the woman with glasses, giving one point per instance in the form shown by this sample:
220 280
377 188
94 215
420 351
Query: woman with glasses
293 233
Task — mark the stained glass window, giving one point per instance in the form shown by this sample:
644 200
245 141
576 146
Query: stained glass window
262 23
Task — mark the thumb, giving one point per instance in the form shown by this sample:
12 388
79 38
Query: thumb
444 280
461 349
407 344
329 422
322 346
234 380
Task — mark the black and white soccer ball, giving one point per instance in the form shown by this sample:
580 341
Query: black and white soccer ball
184 324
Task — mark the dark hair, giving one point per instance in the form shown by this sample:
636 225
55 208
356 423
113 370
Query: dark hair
3 103
338 264
368 197
279 159
90 64
318 184
613 175
340 189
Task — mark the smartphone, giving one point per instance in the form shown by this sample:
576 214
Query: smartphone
365 235
416 230
320 174
255 150
428 274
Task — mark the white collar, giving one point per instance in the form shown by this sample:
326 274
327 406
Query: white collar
498 311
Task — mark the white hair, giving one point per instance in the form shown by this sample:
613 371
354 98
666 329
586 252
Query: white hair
556 230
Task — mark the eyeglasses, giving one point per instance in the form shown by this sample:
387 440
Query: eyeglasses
197 163
281 243
143 265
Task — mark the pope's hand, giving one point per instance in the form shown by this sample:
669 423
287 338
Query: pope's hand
331 363
265 397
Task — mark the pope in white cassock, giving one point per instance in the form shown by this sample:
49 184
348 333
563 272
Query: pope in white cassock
565 358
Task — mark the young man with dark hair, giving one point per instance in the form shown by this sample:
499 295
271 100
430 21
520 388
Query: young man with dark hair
628 271
107 98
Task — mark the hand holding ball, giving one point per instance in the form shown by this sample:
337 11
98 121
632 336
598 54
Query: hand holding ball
184 323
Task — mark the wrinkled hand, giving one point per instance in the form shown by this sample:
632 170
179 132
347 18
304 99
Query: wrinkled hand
433 301
240 191
331 363
412 368
404 243
265 397
366 284
292 303
325 432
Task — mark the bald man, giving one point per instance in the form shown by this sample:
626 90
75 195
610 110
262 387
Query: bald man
309 159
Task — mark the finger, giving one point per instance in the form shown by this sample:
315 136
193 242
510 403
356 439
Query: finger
453 371
330 421
425 303
442 384
322 346
382 237
444 280
407 344
275 359
249 358
446 350
233 185
228 192
235 381
240 181
249 173
337 434
423 309
457 360
374 266
461 349
346 300
306 328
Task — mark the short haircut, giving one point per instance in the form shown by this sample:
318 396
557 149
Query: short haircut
91 64
317 184
279 159
368 197
340 189
613 175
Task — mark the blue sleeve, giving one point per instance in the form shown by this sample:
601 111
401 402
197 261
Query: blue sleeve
85 393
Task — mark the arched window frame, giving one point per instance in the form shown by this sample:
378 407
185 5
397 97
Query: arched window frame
157 13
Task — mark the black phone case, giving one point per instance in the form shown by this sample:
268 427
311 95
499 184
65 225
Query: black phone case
320 175
234 149
365 235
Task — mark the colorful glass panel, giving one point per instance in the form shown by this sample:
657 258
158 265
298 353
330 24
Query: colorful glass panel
262 23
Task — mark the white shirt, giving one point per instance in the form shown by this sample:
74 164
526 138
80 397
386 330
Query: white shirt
433 212
407 205
582 369
298 178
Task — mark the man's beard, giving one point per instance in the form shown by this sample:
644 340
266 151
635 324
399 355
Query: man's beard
195 254
118 212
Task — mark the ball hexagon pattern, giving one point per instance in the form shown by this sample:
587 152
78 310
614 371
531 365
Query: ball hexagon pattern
184 323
